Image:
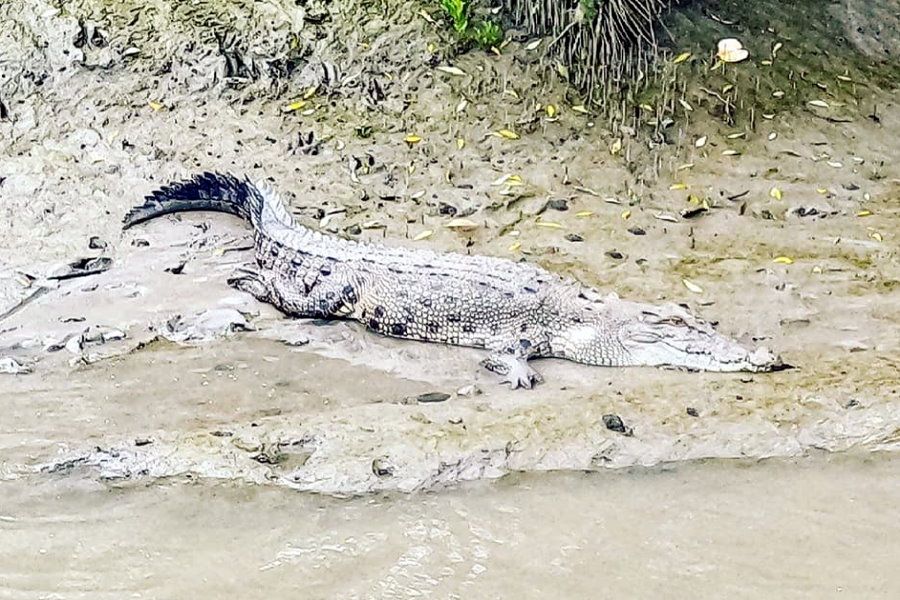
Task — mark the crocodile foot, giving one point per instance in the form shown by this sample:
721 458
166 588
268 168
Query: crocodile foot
515 371
251 281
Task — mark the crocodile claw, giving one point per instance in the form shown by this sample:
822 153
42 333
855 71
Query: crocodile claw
515 371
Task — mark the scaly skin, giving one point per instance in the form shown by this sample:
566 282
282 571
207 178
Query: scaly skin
516 310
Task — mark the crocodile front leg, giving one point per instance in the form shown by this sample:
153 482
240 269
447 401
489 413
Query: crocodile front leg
511 361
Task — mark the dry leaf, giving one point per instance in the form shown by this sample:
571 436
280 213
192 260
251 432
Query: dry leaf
551 111
155 105
864 213
584 213
462 224
412 139
691 286
731 50
451 70
776 193
549 224
460 143
616 147
507 134
784 260
700 142
681 58
424 235
580 109
626 214
678 186
818 103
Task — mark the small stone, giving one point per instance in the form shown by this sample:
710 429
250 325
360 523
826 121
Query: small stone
692 411
636 231
558 204
432 397
96 243
142 442
140 243
853 403
574 237
614 423
469 390
615 254
381 468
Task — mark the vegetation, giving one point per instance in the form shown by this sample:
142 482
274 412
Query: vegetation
485 33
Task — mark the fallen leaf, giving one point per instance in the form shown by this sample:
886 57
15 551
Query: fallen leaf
451 70
515 246
551 111
626 214
685 105
462 224
424 235
678 186
730 153
294 106
691 286
731 50
818 103
533 44
580 109
864 213
784 260
549 224
700 142
507 134
584 213
460 143
776 48
681 58
616 147
776 193
412 139
772 136
155 105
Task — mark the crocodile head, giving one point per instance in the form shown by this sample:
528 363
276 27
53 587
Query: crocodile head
619 333
670 336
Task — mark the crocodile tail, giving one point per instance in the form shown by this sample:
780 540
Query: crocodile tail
207 191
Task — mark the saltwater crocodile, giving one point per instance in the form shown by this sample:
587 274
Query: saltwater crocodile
516 310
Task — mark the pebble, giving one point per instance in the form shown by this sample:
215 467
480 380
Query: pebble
614 423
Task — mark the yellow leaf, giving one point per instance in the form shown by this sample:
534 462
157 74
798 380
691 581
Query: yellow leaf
549 224
876 236
864 213
784 260
155 105
678 186
412 139
776 193
507 134
515 246
295 106
460 143
626 214
822 191
424 235
584 213
681 58
646 107
310 92
551 111
691 286
616 147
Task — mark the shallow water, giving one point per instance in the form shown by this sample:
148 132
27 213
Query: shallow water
821 528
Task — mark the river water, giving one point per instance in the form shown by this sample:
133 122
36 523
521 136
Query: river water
826 527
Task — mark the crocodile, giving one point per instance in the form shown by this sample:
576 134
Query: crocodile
515 310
